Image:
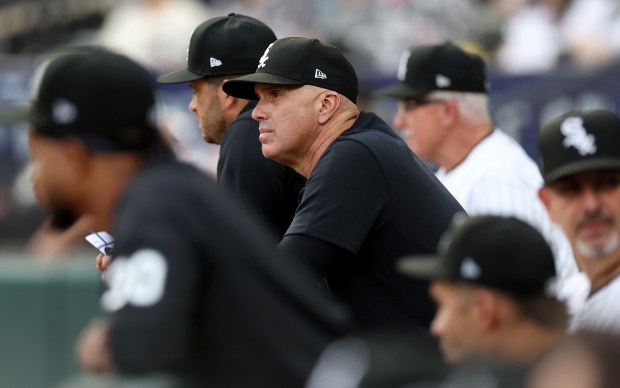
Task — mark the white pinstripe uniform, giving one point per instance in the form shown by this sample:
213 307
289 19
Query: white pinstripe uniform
499 178
598 311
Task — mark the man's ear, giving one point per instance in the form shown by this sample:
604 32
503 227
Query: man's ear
487 309
328 102
545 198
78 156
451 113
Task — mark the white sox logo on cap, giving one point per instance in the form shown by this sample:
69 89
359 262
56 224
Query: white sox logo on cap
575 135
264 58
402 65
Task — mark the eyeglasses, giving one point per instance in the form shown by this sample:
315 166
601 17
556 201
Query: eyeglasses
412 103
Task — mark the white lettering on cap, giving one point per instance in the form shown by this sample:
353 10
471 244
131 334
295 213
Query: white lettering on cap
264 58
575 135
402 65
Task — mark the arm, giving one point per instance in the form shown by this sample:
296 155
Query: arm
319 255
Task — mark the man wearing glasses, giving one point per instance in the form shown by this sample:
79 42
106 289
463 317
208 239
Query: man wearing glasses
443 117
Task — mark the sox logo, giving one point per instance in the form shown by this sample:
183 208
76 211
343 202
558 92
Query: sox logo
264 58
575 135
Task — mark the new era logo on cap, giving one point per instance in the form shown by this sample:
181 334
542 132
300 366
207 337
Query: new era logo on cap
215 62
470 269
442 81
319 74
64 111
575 135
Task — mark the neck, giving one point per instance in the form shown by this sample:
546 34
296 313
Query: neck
112 175
327 134
601 270
465 139
526 342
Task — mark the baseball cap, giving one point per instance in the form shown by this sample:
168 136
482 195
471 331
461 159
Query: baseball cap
579 141
502 253
423 69
299 61
103 98
224 45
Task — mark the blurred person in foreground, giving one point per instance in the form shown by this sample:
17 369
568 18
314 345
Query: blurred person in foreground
367 201
579 157
495 317
443 116
195 287
220 49
492 280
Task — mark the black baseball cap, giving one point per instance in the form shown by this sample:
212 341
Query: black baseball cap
299 61
225 45
579 141
501 253
424 69
105 99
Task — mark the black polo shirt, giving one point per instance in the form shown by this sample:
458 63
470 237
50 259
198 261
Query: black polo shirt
370 196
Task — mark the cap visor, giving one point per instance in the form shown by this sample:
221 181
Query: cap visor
15 114
178 77
584 165
423 267
243 87
400 90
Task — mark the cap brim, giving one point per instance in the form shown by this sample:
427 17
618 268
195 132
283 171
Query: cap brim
584 165
15 114
423 267
178 77
400 90
243 87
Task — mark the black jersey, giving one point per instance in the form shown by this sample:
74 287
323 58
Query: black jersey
195 287
371 196
269 188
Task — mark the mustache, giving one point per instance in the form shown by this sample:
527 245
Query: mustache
594 217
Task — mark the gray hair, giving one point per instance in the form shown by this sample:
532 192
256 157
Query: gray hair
474 107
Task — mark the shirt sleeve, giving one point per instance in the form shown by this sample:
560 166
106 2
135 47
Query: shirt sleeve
344 197
153 282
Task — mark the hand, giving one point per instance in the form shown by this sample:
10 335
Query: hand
103 262
92 349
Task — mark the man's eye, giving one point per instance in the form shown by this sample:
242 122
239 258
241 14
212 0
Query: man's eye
608 182
567 188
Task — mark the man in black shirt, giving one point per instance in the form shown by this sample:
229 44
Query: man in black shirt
195 287
222 48
368 199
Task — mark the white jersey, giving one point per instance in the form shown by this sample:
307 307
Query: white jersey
499 178
600 311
